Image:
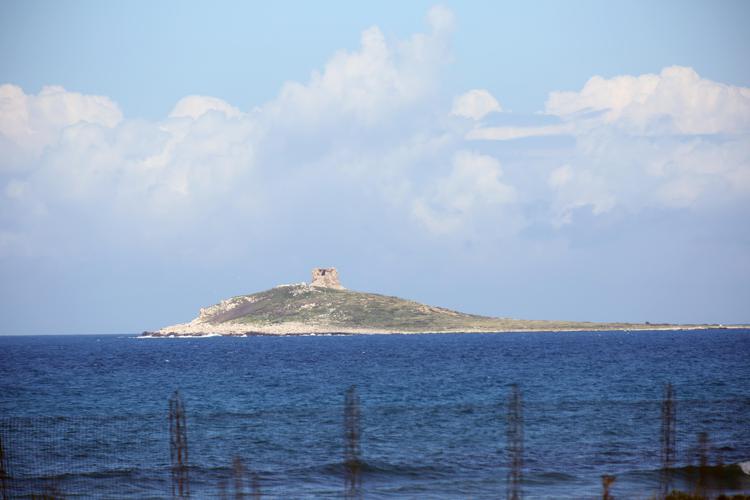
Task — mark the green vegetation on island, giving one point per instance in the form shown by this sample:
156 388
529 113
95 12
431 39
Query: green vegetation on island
324 306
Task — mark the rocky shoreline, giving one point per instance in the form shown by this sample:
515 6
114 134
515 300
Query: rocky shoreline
293 330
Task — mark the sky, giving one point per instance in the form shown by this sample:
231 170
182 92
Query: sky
540 160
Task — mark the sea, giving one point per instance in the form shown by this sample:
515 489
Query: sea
427 416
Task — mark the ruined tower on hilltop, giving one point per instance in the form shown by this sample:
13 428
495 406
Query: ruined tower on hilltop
326 277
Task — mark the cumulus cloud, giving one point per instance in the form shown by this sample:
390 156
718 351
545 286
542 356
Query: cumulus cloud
611 169
576 189
371 84
97 173
475 104
370 123
196 105
31 122
472 185
356 126
671 139
676 101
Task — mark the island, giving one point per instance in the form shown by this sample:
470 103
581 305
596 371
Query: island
324 306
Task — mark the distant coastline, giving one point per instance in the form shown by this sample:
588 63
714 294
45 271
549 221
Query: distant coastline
286 331
325 307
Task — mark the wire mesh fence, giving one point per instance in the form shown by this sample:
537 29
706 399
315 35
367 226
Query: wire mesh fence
67 457
272 451
207 454
179 454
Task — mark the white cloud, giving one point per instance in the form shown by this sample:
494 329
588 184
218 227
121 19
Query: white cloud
473 184
475 104
676 101
670 139
195 105
510 133
29 123
371 84
368 124
357 127
576 189
560 176
612 169
441 19
150 179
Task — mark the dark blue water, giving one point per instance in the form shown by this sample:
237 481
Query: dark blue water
89 414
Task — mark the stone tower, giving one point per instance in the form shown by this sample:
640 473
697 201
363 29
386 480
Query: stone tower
326 277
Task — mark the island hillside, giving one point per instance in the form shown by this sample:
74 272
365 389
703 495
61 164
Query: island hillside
325 307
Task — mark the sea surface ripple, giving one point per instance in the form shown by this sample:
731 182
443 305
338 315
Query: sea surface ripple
89 413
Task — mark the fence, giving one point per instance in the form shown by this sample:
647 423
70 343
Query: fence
178 454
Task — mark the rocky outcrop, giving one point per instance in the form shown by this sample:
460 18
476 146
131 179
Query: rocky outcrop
326 277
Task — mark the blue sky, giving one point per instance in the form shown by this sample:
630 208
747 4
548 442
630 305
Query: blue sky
551 160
